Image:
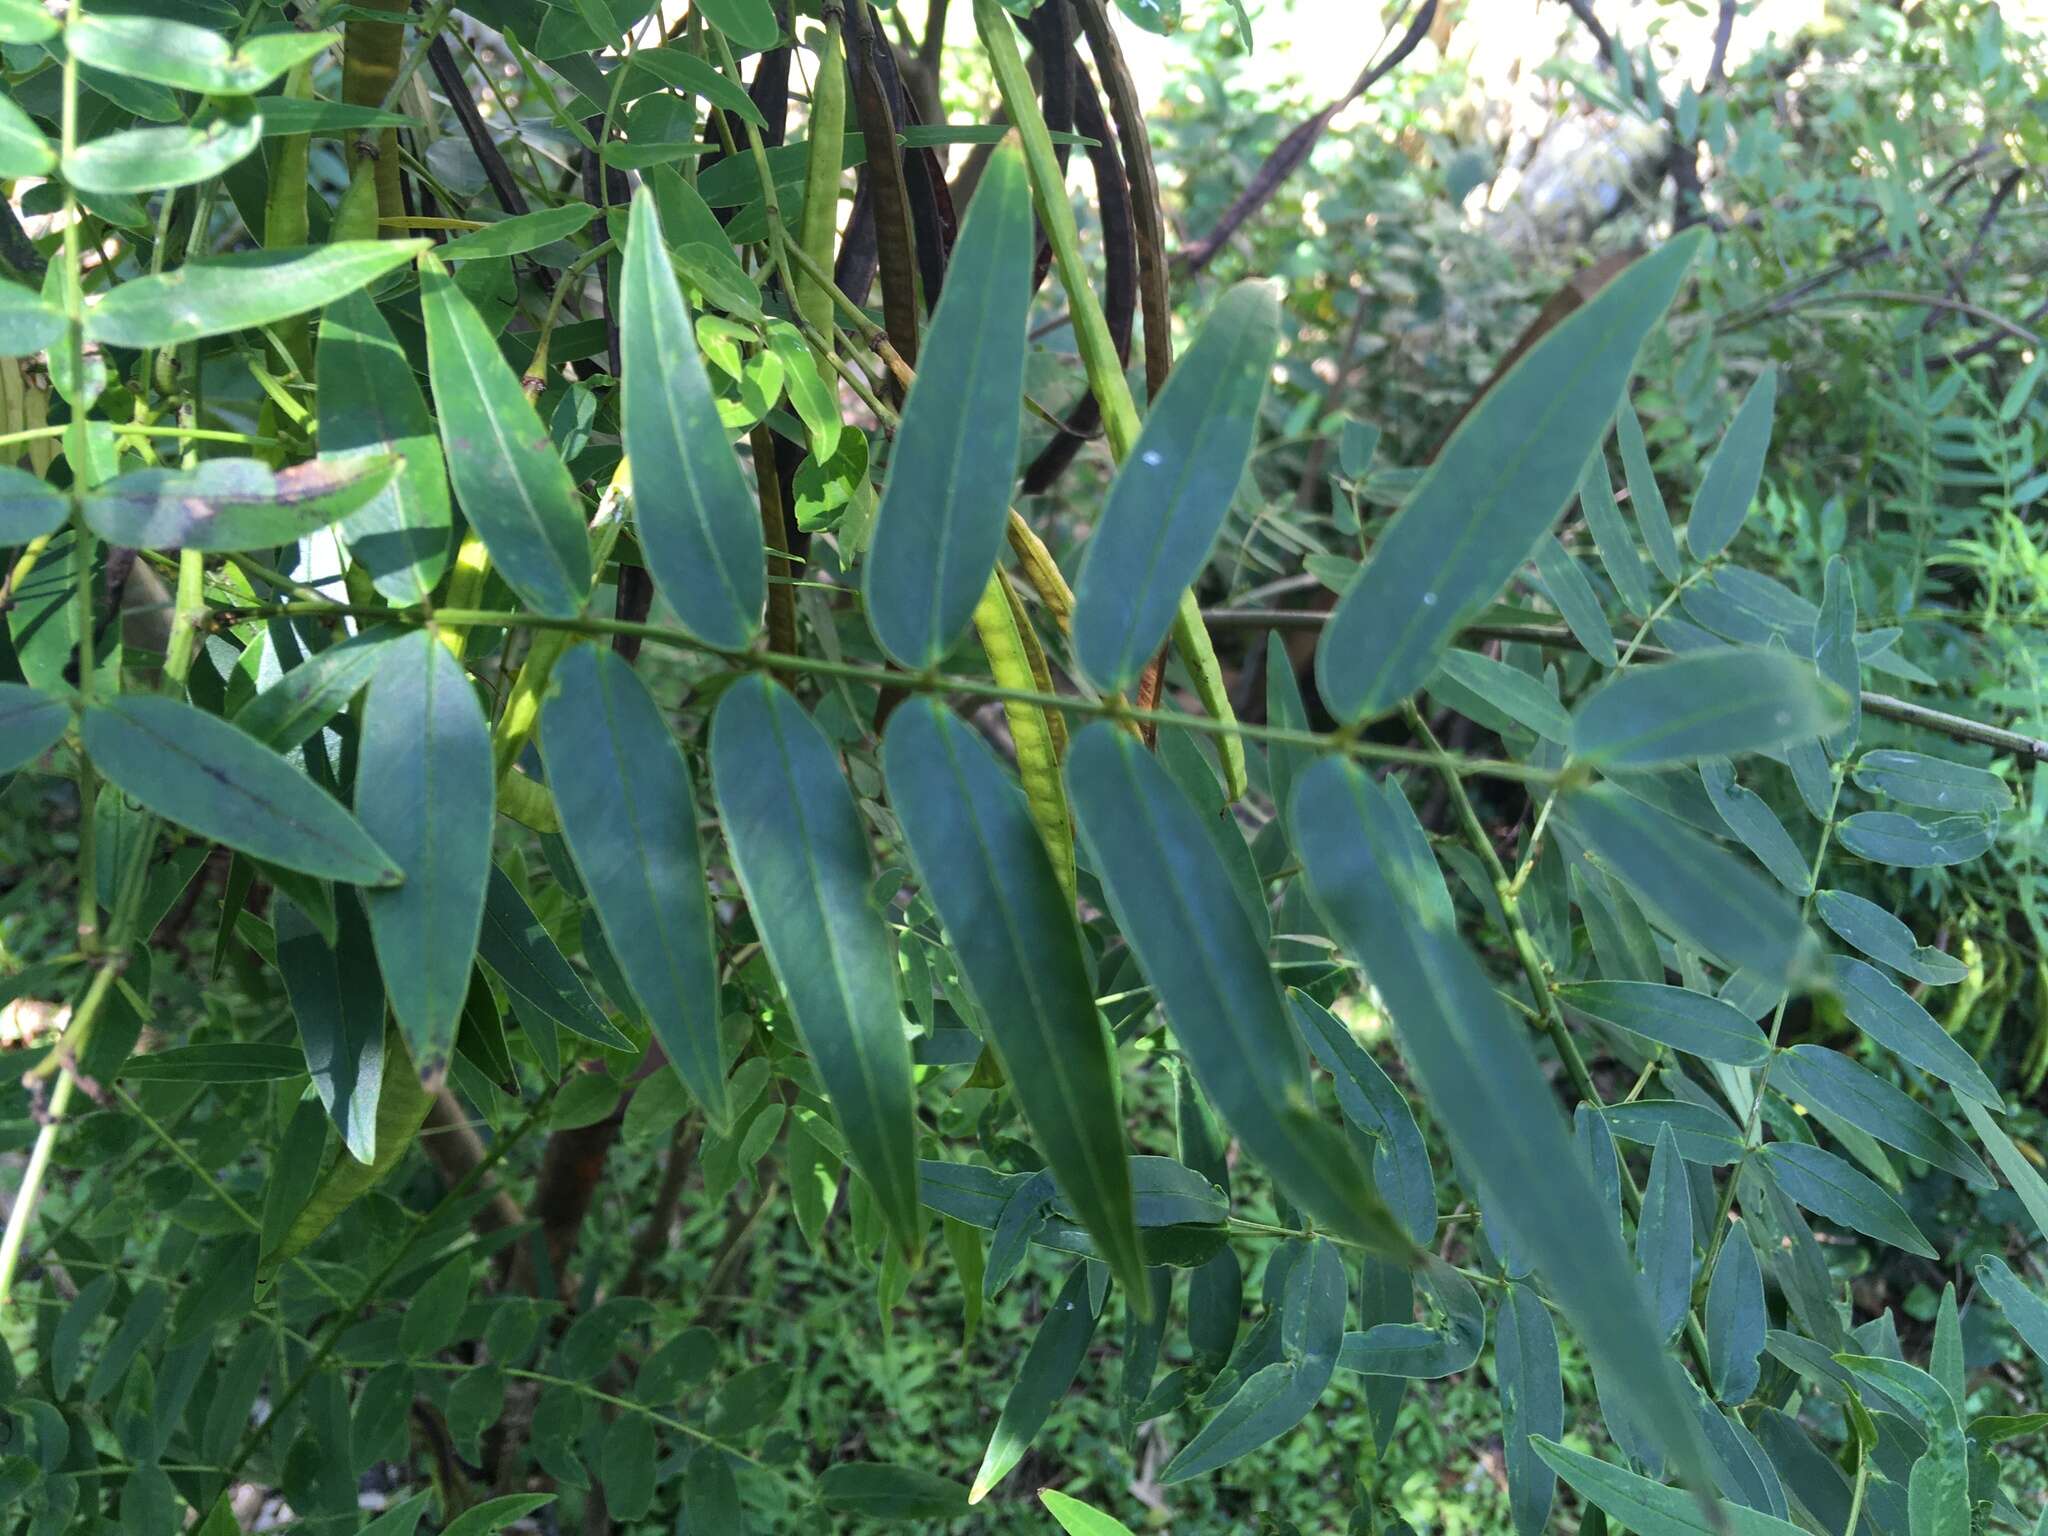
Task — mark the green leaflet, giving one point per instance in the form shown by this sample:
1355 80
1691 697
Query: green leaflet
1830 1081
1078 1519
1467 682
1887 837
1756 826
2020 1173
1734 473
202 773
522 232
290 710
1932 783
1531 1384
1479 1075
1564 582
699 528
1176 907
337 998
881 1491
1049 1369
140 160
216 1062
28 324
1883 1010
23 149
1945 1359
188 57
402 1105
686 72
424 791
284 116
1685 1020
1870 928
1285 709
1423 1354
1644 498
629 814
1834 649
1610 536
1708 704
25 21
1688 885
1938 1498
232 504
493 1515
1828 1186
802 859
1370 1101
30 724
947 499
523 955
749 23
2023 1306
509 481
1664 1235
1704 1132
234 293
987 874
1174 489
1735 1317
1496 486
1651 1509
371 406
1278 1396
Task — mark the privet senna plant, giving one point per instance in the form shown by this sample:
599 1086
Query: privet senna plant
808 903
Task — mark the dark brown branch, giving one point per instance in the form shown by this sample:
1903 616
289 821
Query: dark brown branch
1147 221
1298 145
888 191
441 59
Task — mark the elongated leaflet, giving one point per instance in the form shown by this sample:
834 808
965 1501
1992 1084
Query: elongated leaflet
1010 916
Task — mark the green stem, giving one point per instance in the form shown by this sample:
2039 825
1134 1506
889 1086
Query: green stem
845 671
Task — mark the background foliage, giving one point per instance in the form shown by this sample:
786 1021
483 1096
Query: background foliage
506 1259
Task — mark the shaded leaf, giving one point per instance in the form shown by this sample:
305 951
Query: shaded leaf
629 814
1048 1370
1685 1020
1828 1186
1708 704
1172 492
1883 1010
509 481
1176 907
424 791
1494 488
1885 939
1687 885
1735 1317
986 873
202 773
946 501
1531 1386
1478 1073
1734 473
698 524
802 859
